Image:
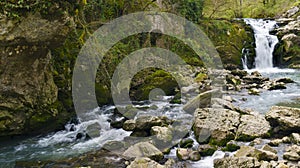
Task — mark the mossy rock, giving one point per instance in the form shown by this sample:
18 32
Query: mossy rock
159 79
231 147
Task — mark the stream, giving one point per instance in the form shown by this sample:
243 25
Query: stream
72 141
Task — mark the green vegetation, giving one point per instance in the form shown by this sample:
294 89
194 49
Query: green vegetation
246 8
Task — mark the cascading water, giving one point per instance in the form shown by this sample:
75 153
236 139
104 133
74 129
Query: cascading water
265 43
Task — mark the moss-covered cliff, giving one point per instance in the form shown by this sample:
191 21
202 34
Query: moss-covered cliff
39 43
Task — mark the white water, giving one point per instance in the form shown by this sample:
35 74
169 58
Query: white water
265 43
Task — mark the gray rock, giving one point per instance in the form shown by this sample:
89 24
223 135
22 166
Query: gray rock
182 154
206 150
295 138
162 133
253 91
129 125
144 123
252 126
144 162
266 155
236 162
144 149
187 154
200 101
269 148
218 125
292 153
286 139
275 142
286 119
248 151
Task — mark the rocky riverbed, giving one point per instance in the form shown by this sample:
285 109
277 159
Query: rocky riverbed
245 137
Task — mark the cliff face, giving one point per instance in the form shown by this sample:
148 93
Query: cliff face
28 94
287 53
38 50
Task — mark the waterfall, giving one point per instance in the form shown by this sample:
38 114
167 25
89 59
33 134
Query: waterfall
265 43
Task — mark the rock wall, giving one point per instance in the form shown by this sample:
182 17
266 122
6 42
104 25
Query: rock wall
28 94
287 52
39 47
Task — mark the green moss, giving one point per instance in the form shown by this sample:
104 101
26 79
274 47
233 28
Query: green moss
158 79
102 94
221 142
176 99
231 147
201 77
229 38
245 138
208 151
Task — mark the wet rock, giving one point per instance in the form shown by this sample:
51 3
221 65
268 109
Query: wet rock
255 77
115 146
221 103
240 73
269 148
234 162
248 151
201 101
215 125
182 154
256 141
162 133
117 123
284 80
129 125
275 142
206 150
187 154
144 149
292 153
99 158
253 91
194 156
286 119
286 139
252 126
144 162
186 143
228 98
231 146
295 138
267 156
145 123
277 86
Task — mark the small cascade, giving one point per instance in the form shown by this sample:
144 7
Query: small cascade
265 43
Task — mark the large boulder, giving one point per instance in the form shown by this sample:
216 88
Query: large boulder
163 134
201 101
216 125
187 154
144 149
286 120
144 123
292 153
234 162
252 126
249 151
144 162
